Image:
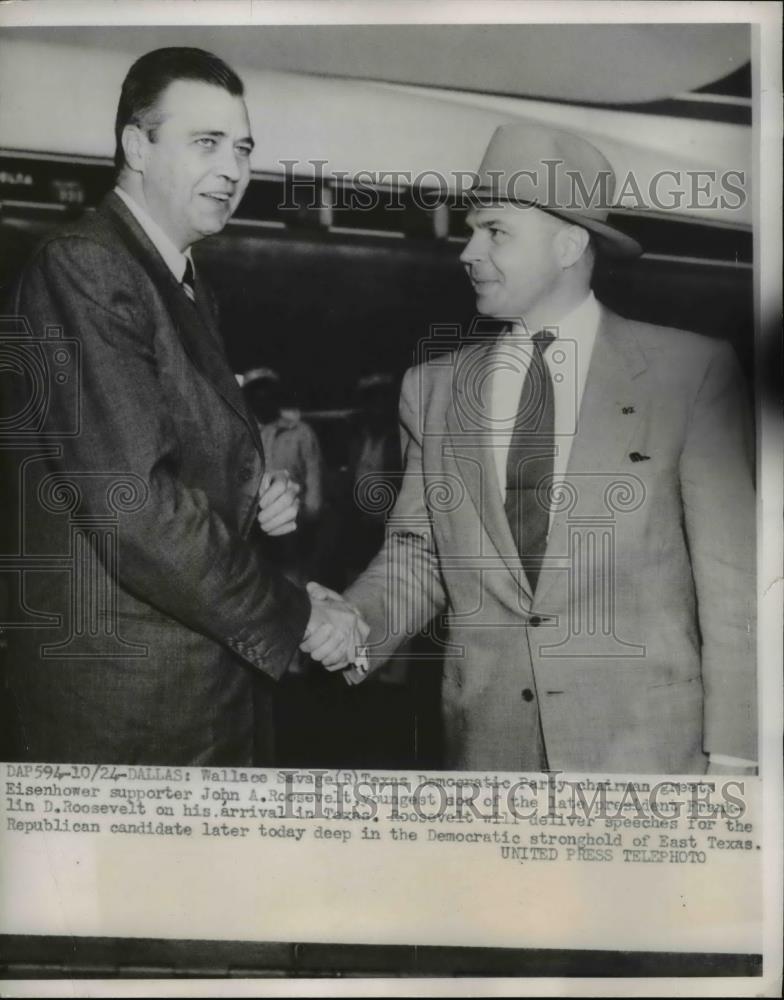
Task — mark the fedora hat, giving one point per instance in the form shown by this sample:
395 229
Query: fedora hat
558 172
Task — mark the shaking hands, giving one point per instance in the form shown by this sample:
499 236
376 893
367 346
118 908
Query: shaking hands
336 632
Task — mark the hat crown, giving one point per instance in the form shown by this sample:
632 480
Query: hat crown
553 169
557 171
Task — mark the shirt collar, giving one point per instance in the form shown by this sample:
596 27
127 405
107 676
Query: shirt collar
174 259
582 322
578 324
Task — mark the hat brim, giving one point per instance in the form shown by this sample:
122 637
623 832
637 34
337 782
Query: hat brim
610 240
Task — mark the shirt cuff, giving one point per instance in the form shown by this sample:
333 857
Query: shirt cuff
727 761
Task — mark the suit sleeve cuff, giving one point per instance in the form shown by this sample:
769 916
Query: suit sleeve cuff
727 761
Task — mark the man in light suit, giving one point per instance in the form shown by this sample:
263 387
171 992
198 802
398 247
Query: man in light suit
142 501
578 499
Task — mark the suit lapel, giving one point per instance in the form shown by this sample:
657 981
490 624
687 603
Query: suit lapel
193 322
611 409
221 376
471 447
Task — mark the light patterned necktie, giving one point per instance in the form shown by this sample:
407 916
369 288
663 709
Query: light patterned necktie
188 281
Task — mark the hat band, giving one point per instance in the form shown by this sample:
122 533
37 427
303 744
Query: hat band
554 189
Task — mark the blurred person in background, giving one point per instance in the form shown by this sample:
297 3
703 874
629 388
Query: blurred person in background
290 446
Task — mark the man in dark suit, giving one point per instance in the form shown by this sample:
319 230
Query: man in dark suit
140 643
578 498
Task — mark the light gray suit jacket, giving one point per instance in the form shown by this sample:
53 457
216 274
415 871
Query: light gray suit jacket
636 652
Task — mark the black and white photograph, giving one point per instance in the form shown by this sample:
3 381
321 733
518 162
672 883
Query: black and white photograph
390 435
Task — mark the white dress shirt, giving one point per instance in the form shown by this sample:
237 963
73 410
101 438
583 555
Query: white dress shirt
567 359
174 259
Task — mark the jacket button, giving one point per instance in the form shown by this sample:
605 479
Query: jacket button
528 694
245 474
534 620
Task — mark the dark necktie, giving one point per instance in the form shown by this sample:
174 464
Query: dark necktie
529 463
189 281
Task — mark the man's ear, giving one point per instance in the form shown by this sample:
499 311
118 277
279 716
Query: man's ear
134 143
572 242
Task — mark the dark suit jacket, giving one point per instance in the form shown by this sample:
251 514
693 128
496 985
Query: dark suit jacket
142 480
636 650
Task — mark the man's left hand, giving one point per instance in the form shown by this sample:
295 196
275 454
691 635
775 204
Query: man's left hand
278 504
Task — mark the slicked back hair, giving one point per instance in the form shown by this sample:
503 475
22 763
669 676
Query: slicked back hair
149 77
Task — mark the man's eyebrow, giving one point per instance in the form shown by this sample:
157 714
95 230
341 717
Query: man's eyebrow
485 222
219 134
